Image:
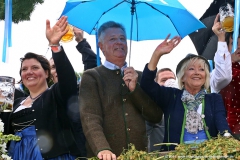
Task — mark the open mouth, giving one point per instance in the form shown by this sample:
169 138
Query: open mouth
196 78
121 49
30 78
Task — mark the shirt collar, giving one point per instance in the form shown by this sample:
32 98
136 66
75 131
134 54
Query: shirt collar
112 66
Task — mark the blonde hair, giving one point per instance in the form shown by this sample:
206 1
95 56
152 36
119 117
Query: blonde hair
184 67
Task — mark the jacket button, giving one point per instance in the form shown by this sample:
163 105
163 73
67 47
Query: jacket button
118 72
126 114
124 100
128 129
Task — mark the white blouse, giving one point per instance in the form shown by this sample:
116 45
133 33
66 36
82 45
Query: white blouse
21 107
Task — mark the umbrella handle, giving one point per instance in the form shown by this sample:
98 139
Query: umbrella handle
97 47
133 10
236 25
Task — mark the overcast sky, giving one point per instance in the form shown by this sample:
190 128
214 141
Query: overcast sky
29 36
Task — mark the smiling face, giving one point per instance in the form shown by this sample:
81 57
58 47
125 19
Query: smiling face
194 77
114 46
53 71
32 74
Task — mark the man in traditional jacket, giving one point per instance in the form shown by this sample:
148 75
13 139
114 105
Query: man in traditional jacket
113 107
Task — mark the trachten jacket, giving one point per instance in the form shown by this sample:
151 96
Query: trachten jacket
111 115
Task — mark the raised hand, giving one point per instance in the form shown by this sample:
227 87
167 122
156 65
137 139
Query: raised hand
78 34
167 46
217 29
164 48
55 33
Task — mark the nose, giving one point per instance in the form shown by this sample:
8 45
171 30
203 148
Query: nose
118 40
196 71
29 71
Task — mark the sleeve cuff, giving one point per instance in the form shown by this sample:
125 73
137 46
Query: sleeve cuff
81 44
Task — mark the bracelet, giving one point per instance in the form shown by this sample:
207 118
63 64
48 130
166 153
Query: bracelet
56 48
54 45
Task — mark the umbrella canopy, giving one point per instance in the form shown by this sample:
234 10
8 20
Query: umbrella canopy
143 19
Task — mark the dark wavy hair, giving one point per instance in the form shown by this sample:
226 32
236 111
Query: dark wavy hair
41 59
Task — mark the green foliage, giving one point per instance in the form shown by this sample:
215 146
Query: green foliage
4 139
9 137
132 154
21 9
220 147
216 148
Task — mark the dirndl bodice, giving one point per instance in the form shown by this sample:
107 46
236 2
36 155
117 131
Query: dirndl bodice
23 123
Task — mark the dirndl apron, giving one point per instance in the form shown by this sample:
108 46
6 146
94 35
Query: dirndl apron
28 149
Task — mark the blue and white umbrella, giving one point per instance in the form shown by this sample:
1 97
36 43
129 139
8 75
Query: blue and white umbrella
143 19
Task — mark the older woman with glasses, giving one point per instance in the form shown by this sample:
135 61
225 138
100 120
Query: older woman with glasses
191 115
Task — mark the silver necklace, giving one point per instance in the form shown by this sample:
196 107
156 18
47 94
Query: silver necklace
33 99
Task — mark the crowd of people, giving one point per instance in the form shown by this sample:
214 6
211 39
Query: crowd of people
115 105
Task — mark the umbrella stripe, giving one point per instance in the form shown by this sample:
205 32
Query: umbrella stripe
103 14
163 14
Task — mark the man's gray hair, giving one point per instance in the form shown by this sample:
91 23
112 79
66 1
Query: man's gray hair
105 26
